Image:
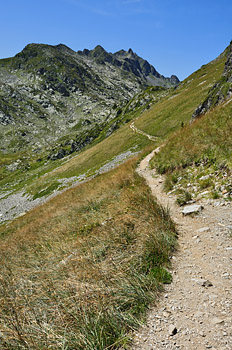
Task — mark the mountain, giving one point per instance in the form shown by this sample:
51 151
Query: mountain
222 90
52 94
94 257
129 61
197 158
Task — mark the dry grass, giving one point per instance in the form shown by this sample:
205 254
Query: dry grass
92 158
207 140
80 271
198 158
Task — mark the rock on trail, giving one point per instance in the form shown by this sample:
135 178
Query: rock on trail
192 209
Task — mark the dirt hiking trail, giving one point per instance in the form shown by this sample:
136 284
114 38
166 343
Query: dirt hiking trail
194 312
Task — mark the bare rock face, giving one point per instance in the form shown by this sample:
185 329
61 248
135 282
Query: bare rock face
221 91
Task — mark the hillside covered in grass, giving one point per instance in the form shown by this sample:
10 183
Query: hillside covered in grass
198 157
178 107
80 271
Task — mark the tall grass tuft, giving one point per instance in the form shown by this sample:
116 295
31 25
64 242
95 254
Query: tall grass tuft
80 271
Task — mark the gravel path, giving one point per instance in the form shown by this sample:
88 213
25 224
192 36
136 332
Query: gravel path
194 312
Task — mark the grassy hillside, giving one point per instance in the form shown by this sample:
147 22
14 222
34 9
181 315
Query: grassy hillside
29 168
177 108
170 109
198 157
80 271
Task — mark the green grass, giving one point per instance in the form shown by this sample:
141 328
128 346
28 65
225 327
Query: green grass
169 114
183 197
80 271
210 142
205 163
166 115
90 160
34 179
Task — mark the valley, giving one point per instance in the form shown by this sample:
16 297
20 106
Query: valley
100 154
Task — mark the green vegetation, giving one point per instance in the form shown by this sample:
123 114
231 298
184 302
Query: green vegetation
183 197
177 108
90 160
94 153
80 271
205 163
210 143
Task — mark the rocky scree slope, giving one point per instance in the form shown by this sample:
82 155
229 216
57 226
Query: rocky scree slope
52 93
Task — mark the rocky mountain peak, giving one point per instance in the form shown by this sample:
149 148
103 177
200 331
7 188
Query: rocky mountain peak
174 80
97 51
130 62
50 92
63 48
130 51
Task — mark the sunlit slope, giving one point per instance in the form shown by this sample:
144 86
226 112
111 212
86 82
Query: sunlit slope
90 160
207 140
160 120
177 108
92 259
101 150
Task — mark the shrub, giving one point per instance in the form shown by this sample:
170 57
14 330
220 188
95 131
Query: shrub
183 197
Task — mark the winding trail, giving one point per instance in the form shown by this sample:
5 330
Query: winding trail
198 301
138 131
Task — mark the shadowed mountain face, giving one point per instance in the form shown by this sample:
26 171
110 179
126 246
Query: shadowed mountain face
51 92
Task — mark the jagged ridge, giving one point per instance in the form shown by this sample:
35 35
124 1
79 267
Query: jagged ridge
51 92
131 62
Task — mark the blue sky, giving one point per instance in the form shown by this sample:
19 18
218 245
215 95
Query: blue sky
176 36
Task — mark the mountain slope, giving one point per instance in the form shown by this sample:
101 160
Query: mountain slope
48 93
197 158
94 257
177 108
221 91
157 111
